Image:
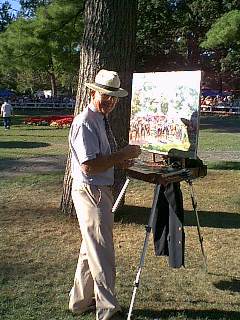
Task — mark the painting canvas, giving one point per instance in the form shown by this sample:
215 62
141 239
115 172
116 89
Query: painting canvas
165 112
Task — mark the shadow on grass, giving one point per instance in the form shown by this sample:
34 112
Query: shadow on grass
230 125
140 215
22 144
34 164
211 314
224 165
224 220
9 272
233 285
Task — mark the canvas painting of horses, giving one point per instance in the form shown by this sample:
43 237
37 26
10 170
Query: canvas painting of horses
165 112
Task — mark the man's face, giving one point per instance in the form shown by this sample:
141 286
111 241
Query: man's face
103 103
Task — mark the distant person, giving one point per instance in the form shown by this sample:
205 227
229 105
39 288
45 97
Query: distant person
6 112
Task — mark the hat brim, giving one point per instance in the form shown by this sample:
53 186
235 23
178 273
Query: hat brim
120 93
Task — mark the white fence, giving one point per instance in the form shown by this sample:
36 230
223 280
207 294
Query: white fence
231 108
43 105
234 108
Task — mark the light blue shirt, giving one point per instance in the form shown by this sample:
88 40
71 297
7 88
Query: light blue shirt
88 139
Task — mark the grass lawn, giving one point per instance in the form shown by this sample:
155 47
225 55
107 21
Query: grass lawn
219 134
23 141
39 245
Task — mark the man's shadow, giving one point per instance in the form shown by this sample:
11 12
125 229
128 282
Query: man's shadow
226 285
164 314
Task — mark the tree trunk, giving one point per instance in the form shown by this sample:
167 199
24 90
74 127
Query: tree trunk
53 83
108 43
193 55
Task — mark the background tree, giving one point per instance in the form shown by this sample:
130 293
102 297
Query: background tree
225 34
169 33
155 34
45 44
108 42
29 7
6 17
7 79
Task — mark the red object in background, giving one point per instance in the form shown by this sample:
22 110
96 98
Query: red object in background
67 119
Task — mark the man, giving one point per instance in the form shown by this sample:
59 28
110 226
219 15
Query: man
93 159
6 112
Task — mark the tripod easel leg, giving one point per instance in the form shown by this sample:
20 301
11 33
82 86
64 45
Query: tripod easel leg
194 205
148 231
120 196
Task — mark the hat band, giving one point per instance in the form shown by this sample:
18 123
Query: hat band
106 87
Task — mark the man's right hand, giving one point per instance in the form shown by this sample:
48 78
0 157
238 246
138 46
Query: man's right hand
102 163
129 152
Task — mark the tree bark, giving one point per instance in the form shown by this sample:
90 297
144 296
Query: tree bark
108 43
53 83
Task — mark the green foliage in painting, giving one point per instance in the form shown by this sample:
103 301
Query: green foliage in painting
136 104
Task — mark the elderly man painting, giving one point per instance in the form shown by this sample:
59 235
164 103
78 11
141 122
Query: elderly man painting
93 159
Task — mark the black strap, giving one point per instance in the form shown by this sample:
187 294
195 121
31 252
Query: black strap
106 87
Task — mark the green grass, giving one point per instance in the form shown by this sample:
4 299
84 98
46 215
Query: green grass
39 245
216 134
215 141
224 165
39 248
219 134
23 141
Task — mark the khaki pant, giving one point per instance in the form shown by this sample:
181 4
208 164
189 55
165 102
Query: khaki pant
95 273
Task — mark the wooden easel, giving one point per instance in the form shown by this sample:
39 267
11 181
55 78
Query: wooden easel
158 179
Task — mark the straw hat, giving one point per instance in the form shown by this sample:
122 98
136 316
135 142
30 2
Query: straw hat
107 82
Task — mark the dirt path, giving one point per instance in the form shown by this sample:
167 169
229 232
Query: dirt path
219 155
57 163
32 165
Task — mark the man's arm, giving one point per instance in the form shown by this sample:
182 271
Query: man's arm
102 163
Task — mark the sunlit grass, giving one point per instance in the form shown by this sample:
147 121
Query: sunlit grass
39 249
219 134
39 245
35 141
215 141
32 141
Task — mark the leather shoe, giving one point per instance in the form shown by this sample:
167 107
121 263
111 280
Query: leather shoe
90 308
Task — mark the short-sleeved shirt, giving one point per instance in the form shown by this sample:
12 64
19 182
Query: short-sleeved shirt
88 139
6 109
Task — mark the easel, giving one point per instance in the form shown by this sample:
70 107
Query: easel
185 177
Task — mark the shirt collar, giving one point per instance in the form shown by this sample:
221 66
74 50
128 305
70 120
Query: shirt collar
92 107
